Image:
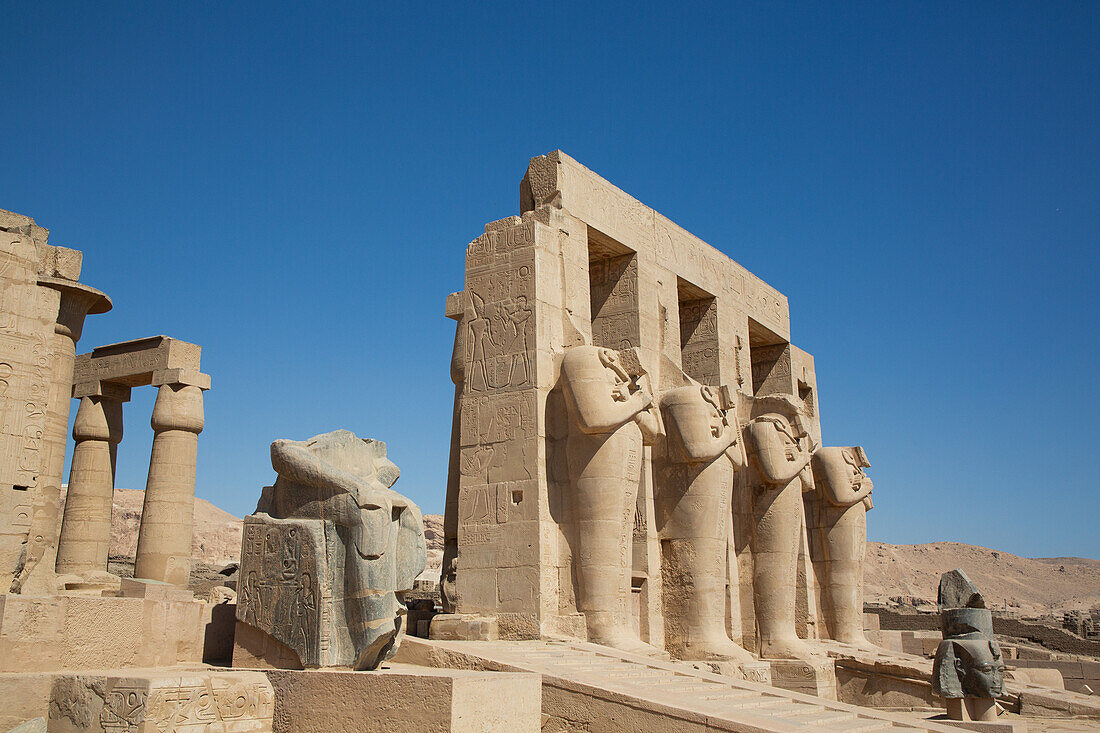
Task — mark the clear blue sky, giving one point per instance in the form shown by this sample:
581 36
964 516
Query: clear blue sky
292 187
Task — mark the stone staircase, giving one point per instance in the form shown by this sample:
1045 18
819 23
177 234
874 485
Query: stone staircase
593 688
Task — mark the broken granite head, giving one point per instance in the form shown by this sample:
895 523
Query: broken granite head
969 669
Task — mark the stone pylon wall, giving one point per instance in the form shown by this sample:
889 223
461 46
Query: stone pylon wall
587 263
42 310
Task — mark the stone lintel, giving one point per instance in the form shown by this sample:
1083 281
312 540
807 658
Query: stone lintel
188 377
133 363
456 305
97 388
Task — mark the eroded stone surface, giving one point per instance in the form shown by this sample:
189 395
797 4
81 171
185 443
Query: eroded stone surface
42 311
162 702
957 591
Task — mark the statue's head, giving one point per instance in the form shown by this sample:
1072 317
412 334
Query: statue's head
980 667
837 470
791 409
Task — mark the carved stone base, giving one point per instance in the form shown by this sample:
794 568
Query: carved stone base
463 627
151 702
1015 725
407 699
760 671
79 631
256 649
809 678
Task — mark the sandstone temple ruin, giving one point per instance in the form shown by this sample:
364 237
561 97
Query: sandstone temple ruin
632 442
644 529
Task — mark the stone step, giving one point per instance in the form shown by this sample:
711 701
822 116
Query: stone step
694 691
760 702
731 694
631 674
682 687
863 725
819 717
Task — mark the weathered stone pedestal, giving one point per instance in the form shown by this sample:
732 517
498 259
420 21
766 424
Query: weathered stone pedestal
79 631
463 627
406 698
139 701
813 677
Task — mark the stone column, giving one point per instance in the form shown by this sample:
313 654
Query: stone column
164 538
86 526
75 302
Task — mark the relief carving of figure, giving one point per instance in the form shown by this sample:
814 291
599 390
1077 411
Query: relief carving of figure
781 451
845 492
692 504
605 404
369 545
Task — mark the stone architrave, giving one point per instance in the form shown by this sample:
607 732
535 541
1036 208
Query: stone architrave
844 490
604 449
328 556
968 672
693 508
781 454
42 311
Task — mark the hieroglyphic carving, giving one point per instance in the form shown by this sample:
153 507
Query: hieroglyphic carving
26 327
196 703
230 702
497 438
123 710
282 586
501 328
614 294
771 369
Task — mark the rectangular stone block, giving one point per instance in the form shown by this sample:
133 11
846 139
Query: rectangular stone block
463 627
871 622
133 363
23 696
153 590
810 679
75 632
408 699
155 702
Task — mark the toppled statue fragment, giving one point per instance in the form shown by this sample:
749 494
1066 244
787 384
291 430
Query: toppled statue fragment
969 669
330 553
957 591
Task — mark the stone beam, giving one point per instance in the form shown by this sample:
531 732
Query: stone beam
135 363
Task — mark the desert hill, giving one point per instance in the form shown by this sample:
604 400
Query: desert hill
910 574
894 574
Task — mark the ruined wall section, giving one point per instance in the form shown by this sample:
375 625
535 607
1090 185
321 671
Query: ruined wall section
26 329
526 297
